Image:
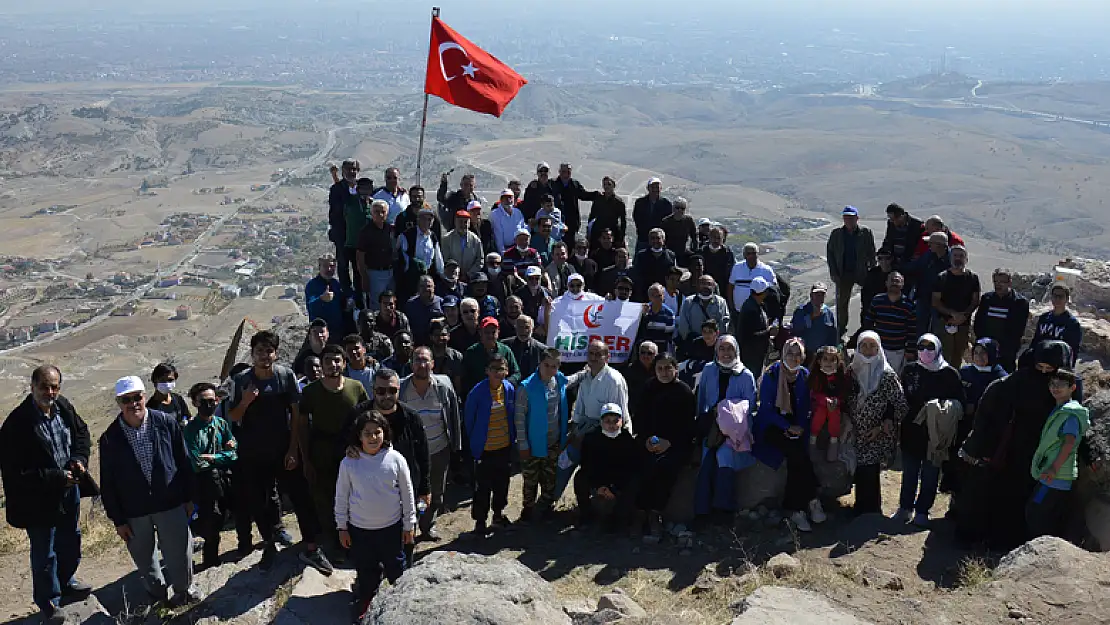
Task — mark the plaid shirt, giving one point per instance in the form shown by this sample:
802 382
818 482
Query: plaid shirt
54 431
142 443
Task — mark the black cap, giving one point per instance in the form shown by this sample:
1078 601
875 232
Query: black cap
318 323
479 277
624 277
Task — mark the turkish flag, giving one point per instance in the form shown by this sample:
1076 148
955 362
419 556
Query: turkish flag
465 75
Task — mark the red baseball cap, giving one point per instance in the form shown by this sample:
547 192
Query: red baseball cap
489 321
462 214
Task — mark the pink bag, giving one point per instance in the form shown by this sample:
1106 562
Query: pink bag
733 419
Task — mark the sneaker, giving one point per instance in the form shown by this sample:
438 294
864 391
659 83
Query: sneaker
317 560
816 512
500 521
284 538
921 519
53 616
269 554
800 521
430 536
76 588
902 516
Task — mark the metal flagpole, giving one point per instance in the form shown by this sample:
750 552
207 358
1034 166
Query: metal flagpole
424 116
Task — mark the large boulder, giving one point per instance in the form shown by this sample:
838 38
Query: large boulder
761 485
1055 580
468 589
1093 486
318 600
775 605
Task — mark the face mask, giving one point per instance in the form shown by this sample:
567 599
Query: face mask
206 407
714 248
165 387
580 256
493 270
828 369
984 368
791 369
657 250
522 249
866 359
705 295
927 356
609 434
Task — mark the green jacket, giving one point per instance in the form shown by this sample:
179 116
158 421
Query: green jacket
865 254
209 438
356 214
1051 441
474 365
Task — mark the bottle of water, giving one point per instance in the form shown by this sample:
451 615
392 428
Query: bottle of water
421 508
654 440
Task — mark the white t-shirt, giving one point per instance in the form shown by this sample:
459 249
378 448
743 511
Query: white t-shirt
397 205
742 276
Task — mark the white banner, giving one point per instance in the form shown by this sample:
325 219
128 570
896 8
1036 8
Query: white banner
574 323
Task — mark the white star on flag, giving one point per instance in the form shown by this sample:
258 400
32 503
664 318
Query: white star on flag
469 69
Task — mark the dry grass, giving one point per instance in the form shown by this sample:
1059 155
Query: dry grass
98 535
973 573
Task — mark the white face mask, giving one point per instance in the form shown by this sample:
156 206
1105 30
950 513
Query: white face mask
609 434
714 248
493 270
165 387
867 359
705 297
789 368
657 250
353 190
828 369
522 249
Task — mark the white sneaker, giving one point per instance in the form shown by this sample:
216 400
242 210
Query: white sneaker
902 516
921 519
800 521
816 512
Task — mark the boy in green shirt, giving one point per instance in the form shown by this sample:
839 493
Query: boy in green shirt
212 451
1055 466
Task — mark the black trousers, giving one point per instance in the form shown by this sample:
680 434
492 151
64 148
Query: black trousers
622 508
344 264
869 496
659 473
242 506
211 502
261 477
375 553
801 483
491 489
1046 511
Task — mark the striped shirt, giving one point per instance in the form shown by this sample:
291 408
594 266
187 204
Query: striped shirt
431 415
894 322
497 437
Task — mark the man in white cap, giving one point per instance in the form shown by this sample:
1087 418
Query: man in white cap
533 195
610 463
851 254
464 244
755 331
146 486
521 255
741 276
648 212
576 290
455 201
506 219
704 225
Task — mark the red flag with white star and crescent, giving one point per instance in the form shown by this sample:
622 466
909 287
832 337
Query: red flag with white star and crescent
467 76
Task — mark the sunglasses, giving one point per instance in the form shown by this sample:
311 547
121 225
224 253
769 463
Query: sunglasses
542 171
131 399
493 263
925 346
390 390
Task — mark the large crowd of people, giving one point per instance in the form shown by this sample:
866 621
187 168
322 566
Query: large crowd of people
425 364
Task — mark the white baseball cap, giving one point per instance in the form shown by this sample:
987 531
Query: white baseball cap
653 180
520 231
532 271
612 408
508 193
473 205
575 276
129 384
760 284
543 165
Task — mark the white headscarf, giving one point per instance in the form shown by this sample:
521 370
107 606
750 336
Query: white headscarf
937 364
869 374
735 365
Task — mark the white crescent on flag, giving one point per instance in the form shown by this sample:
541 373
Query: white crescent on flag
467 69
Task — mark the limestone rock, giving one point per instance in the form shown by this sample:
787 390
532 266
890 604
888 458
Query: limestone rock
1047 556
1056 581
774 605
783 565
317 599
468 589
760 485
240 593
87 612
878 578
620 601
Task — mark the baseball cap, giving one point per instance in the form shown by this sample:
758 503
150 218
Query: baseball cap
450 301
884 251
612 408
532 271
479 277
463 214
818 287
473 205
576 276
426 211
851 211
704 221
543 165
654 180
520 231
451 262
507 192
489 321
759 284
129 384
318 323
938 237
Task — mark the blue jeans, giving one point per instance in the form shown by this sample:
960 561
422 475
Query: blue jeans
379 281
915 471
56 553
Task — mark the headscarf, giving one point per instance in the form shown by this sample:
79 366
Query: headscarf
937 364
990 346
1054 353
869 374
782 394
734 366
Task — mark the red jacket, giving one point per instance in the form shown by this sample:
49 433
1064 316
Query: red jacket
923 244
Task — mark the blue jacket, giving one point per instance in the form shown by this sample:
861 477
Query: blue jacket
124 490
479 402
331 312
740 386
814 333
769 416
537 412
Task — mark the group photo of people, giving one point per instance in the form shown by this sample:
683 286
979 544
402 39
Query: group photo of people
428 367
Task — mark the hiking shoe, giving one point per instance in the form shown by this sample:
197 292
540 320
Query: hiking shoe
921 519
317 560
430 536
269 554
801 522
76 588
284 538
902 516
500 521
816 512
53 616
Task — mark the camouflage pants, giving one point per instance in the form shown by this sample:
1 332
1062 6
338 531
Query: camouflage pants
539 476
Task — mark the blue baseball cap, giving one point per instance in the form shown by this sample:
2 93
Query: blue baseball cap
850 211
450 301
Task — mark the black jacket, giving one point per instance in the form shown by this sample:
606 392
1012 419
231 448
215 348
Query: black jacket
528 354
607 212
754 328
408 439
647 217
1002 319
666 411
611 462
533 195
337 199
567 197
719 264
915 229
125 491
451 203
33 483
921 385
647 269
588 269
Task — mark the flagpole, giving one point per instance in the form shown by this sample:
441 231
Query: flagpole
424 115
